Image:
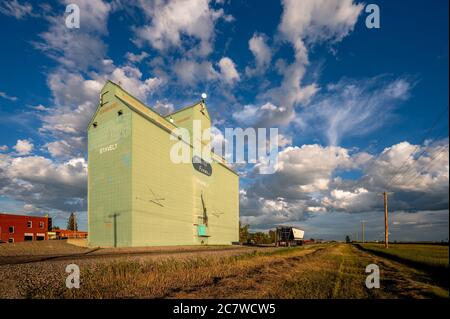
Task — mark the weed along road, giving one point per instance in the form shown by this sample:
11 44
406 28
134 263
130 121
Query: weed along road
330 270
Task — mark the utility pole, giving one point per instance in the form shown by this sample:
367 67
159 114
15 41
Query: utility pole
362 224
386 225
75 224
114 217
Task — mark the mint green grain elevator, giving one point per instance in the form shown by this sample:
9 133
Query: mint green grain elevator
137 196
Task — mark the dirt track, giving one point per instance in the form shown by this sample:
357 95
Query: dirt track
316 271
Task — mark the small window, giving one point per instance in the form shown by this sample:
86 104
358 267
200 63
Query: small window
29 224
11 240
94 124
11 229
120 112
41 225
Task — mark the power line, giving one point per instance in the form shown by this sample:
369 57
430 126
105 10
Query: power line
416 173
412 168
430 163
396 178
395 175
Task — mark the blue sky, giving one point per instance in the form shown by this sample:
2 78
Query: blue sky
354 106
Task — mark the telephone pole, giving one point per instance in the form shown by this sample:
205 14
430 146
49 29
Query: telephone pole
114 217
386 225
75 224
362 224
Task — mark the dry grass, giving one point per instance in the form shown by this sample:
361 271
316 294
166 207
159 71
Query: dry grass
316 271
340 273
144 278
336 273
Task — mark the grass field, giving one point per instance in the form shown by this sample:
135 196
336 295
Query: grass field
426 255
332 270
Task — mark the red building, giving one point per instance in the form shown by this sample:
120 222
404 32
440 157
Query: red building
17 228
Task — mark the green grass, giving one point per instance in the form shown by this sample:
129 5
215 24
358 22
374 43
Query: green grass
429 256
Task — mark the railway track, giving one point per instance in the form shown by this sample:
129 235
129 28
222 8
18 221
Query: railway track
98 254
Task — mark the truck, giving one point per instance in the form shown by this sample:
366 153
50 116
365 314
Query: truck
289 236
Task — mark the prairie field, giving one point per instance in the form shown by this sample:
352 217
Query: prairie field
318 271
427 255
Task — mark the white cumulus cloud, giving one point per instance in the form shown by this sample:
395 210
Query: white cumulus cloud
262 53
170 21
23 147
228 71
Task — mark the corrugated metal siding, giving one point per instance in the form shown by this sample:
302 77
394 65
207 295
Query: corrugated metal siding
161 190
159 202
109 174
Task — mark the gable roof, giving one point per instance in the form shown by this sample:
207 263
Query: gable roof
166 117
201 103
147 112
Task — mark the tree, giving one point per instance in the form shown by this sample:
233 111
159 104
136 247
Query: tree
347 239
260 238
272 236
243 233
72 222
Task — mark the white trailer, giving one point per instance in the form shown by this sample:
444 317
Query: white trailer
289 236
